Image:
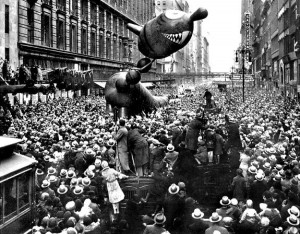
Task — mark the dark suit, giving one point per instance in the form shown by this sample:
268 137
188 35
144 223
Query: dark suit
122 148
153 229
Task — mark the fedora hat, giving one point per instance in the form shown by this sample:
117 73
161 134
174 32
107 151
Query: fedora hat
197 214
47 158
51 170
78 190
73 182
252 169
170 148
62 189
293 220
45 184
215 217
259 177
86 181
71 174
39 171
294 211
63 173
173 189
89 173
225 201
52 178
267 165
90 152
159 218
111 142
278 167
277 177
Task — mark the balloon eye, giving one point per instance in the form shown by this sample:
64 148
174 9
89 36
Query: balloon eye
174 14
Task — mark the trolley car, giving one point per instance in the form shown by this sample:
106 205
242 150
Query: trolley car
17 188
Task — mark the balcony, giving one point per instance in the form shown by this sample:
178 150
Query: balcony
47 3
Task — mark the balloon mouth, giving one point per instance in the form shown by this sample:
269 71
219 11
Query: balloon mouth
178 38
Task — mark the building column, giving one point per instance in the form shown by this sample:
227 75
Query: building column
97 32
89 30
125 45
79 27
37 27
67 25
54 30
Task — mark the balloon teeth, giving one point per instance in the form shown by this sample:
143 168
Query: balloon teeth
177 38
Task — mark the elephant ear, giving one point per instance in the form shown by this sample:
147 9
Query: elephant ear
144 65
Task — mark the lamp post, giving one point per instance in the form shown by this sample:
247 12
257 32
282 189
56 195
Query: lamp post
243 51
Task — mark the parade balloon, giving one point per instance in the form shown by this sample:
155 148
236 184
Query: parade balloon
133 77
167 33
142 64
135 97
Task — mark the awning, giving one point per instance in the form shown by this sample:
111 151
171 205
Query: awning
15 164
148 84
100 84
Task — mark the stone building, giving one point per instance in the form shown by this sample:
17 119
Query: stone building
276 39
81 34
9 32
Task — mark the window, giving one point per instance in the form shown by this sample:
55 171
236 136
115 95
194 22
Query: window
15 196
101 44
73 7
60 34
23 187
120 27
115 47
83 41
120 50
30 20
115 26
7 54
108 46
46 30
101 17
93 43
10 199
6 18
108 21
73 38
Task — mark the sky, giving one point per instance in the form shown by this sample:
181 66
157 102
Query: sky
222 26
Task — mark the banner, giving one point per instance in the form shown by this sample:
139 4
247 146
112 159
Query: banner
34 99
27 98
11 99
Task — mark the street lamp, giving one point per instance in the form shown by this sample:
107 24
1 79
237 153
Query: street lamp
246 54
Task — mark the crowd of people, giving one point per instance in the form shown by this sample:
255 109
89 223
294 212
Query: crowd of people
83 154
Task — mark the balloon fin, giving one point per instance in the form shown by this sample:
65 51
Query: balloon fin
136 29
199 14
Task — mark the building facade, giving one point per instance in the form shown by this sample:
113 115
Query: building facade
9 32
276 39
81 34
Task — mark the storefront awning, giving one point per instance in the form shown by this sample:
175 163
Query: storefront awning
100 84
